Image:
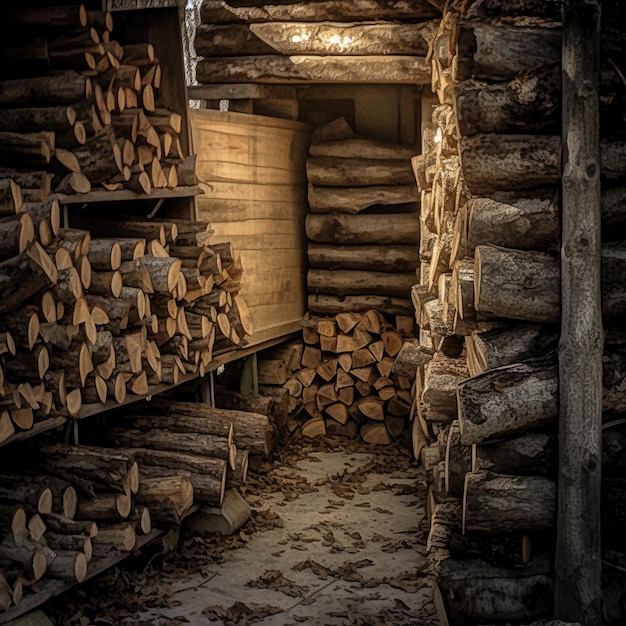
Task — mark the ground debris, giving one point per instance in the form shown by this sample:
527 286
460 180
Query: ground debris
274 579
240 614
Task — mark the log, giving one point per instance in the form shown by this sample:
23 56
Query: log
34 557
64 526
410 357
442 375
507 400
332 305
476 592
526 221
251 430
458 461
355 282
512 550
148 418
499 503
34 263
351 200
362 149
56 88
11 199
226 520
28 149
362 229
157 439
508 344
374 258
302 69
120 536
517 284
529 454
501 52
357 172
223 12
528 103
504 162
105 506
613 265
57 119
167 498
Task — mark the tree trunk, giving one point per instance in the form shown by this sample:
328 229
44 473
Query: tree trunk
517 284
351 200
223 12
373 258
363 229
499 52
507 400
303 69
504 162
499 503
321 38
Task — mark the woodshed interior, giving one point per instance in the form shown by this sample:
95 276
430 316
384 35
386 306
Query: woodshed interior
311 312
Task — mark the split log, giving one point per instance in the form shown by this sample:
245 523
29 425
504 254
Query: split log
105 506
517 284
354 282
504 162
332 305
363 229
410 357
508 344
353 172
374 258
301 69
498 503
351 200
526 221
438 399
362 149
507 400
529 454
501 52
458 461
508 107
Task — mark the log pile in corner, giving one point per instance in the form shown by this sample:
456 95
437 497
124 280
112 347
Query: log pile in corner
85 109
488 305
341 379
363 226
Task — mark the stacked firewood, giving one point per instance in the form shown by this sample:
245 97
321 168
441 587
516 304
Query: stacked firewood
363 40
341 379
84 108
488 305
88 319
363 227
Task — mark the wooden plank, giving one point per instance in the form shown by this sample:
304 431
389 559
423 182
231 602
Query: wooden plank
102 195
578 591
37 429
304 69
243 91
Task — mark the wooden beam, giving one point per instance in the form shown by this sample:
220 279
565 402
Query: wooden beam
577 569
243 91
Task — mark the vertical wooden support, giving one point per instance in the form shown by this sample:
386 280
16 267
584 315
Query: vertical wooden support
577 584
249 382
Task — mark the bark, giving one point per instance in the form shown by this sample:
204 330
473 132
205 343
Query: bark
27 149
410 357
355 282
363 229
168 497
362 149
302 69
613 268
530 102
517 284
376 258
170 420
504 162
530 454
499 52
526 221
508 400
358 172
224 12
505 345
314 38
458 461
56 88
498 503
105 506
351 200
68 565
438 398
331 305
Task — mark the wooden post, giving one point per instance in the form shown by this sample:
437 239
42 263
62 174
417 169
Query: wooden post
577 583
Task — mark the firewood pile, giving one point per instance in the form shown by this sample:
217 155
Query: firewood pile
84 109
341 379
365 40
488 306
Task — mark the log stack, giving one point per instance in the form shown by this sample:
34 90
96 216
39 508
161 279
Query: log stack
366 41
363 225
341 378
85 109
488 307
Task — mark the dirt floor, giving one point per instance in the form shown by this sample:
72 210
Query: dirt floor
336 536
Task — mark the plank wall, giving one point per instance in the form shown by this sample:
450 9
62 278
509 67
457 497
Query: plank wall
252 172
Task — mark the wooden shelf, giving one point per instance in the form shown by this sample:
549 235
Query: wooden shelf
219 358
102 195
51 588
37 429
